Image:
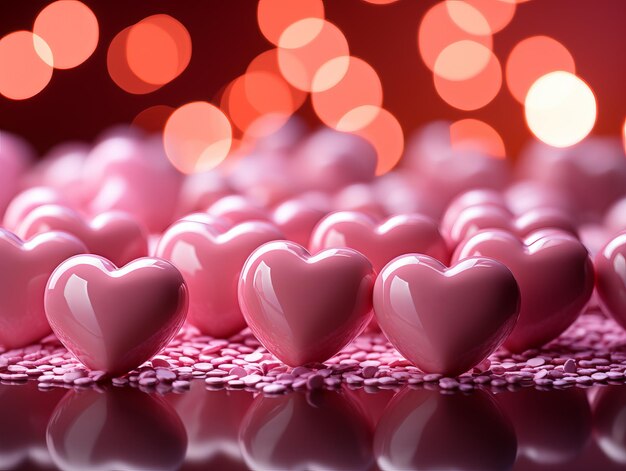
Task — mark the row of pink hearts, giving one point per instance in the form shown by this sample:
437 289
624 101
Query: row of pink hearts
304 309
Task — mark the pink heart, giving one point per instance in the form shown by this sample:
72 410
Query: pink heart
304 308
446 320
114 319
210 258
237 209
24 270
297 217
382 241
489 216
24 202
114 235
611 277
555 276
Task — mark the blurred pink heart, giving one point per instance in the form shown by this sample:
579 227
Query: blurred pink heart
555 276
475 218
469 199
133 175
24 202
114 319
114 235
210 258
329 160
359 197
15 157
591 174
297 217
237 209
611 277
446 320
381 241
304 308
24 270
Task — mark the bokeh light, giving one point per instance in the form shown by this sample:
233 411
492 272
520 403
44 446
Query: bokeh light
158 49
462 60
307 45
380 2
438 30
119 70
474 92
197 137
560 109
497 13
267 61
381 129
23 72
255 94
71 31
152 120
275 16
478 136
532 58
359 86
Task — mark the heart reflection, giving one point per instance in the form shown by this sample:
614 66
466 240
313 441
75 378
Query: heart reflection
119 429
320 431
552 427
212 420
24 415
424 429
610 422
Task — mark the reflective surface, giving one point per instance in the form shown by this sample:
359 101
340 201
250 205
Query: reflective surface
126 429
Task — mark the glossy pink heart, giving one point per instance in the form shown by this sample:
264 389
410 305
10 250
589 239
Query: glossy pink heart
24 270
114 319
114 235
381 241
469 199
446 320
555 276
210 258
611 277
304 308
489 216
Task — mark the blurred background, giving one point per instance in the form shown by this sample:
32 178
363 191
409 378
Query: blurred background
420 60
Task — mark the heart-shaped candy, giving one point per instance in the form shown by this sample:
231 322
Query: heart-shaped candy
24 270
114 319
446 320
304 308
489 216
555 276
610 264
115 235
380 242
210 258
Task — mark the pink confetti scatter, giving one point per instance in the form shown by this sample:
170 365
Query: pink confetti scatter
590 352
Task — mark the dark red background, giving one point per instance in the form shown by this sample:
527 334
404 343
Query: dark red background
79 103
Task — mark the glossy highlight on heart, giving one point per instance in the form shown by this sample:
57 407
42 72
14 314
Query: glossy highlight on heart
304 308
446 320
114 319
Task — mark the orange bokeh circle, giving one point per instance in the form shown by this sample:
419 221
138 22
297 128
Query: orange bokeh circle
476 135
23 72
275 16
71 30
533 57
